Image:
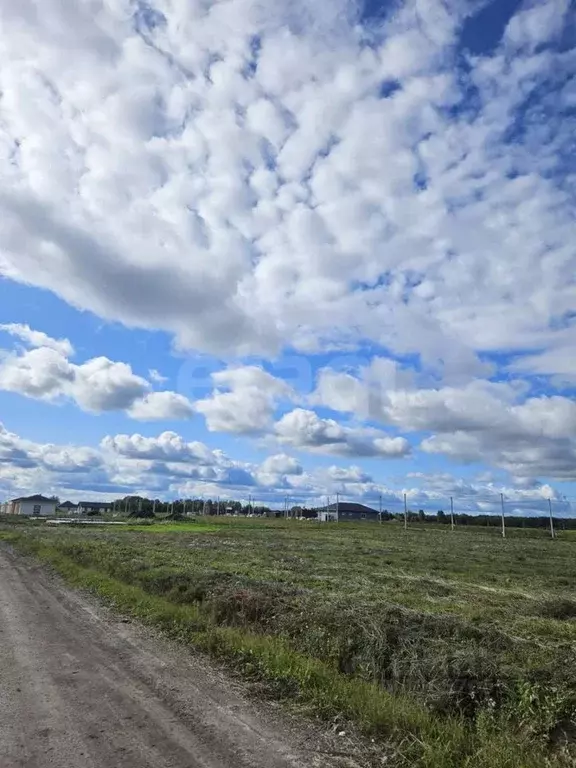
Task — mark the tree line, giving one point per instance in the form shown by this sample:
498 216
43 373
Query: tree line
140 506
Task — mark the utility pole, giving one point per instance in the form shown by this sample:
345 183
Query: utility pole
154 507
405 513
380 509
552 534
503 520
451 513
126 509
337 507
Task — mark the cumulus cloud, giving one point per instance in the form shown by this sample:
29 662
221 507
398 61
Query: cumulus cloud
532 439
244 400
349 475
34 338
103 385
168 446
27 466
535 25
45 372
281 464
40 373
284 192
170 466
159 406
496 423
290 176
307 431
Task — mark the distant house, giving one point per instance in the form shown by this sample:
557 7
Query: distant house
68 508
346 511
33 506
91 507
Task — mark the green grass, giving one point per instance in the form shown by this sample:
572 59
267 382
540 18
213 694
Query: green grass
170 527
453 649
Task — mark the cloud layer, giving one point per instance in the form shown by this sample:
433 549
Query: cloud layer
255 177
494 423
287 175
168 466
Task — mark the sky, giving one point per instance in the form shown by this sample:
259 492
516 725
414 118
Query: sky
269 249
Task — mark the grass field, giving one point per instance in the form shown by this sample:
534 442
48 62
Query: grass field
450 648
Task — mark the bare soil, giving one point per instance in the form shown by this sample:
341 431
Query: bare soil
80 688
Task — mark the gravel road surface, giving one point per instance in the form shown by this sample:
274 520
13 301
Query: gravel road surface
81 689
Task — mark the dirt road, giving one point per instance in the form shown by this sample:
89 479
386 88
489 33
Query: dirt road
81 689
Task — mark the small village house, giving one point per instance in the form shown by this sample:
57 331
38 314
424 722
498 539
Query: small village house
94 507
345 511
68 508
32 506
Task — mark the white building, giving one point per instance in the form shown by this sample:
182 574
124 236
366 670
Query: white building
33 506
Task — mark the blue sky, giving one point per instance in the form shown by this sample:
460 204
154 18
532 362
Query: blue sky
289 251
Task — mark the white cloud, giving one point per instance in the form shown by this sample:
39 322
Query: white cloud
167 466
248 404
281 464
496 423
559 363
362 394
40 373
34 338
269 195
306 430
537 24
532 439
158 406
524 457
96 385
156 376
168 446
103 385
349 475
26 466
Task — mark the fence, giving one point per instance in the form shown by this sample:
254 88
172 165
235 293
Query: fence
498 509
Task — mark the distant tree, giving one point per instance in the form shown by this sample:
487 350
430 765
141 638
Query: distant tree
440 516
421 516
